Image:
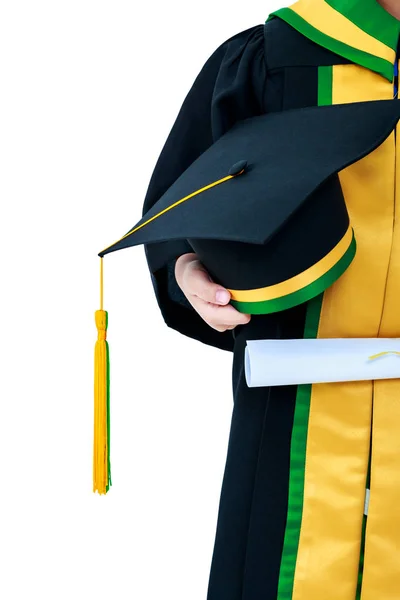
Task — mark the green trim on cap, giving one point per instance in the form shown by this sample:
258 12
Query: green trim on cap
303 294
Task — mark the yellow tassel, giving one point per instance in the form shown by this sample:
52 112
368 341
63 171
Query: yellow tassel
101 446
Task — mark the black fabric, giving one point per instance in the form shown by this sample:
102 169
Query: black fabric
298 82
287 47
271 487
254 494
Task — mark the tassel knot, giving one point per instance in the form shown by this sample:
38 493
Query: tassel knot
101 320
101 324
101 334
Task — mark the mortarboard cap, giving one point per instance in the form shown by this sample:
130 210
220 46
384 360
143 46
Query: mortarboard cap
263 205
264 211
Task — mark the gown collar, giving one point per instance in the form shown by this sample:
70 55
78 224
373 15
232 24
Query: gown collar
360 30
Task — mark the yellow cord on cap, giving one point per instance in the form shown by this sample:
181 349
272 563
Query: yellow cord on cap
192 195
101 283
101 443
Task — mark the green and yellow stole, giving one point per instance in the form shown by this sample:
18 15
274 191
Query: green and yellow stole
346 436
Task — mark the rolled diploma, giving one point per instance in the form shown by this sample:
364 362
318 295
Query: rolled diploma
293 362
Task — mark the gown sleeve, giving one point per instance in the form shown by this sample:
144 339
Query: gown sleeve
229 87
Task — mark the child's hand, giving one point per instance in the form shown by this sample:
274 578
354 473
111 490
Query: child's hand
202 292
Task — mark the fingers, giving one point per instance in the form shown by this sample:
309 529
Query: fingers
220 318
198 283
208 298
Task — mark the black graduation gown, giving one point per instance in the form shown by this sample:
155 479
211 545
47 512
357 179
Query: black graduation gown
249 74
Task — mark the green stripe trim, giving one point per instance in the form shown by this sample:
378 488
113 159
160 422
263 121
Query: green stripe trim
371 17
310 291
297 466
374 63
325 79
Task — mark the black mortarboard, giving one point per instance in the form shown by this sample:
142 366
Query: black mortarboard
263 206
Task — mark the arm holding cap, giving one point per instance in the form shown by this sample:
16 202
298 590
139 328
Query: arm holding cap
229 88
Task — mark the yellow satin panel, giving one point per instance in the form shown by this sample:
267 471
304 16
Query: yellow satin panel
340 413
302 279
347 77
330 22
382 549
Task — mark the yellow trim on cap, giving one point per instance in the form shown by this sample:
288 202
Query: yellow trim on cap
298 281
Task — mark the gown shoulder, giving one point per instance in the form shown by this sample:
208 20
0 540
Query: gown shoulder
229 87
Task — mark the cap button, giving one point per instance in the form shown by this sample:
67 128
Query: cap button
237 167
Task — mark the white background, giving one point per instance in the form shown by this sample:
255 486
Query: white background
89 91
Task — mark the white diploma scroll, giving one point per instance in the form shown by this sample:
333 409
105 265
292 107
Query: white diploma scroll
293 362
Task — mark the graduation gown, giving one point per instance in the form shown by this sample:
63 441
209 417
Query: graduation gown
291 522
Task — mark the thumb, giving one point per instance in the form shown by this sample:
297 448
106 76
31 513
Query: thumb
222 296
205 288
